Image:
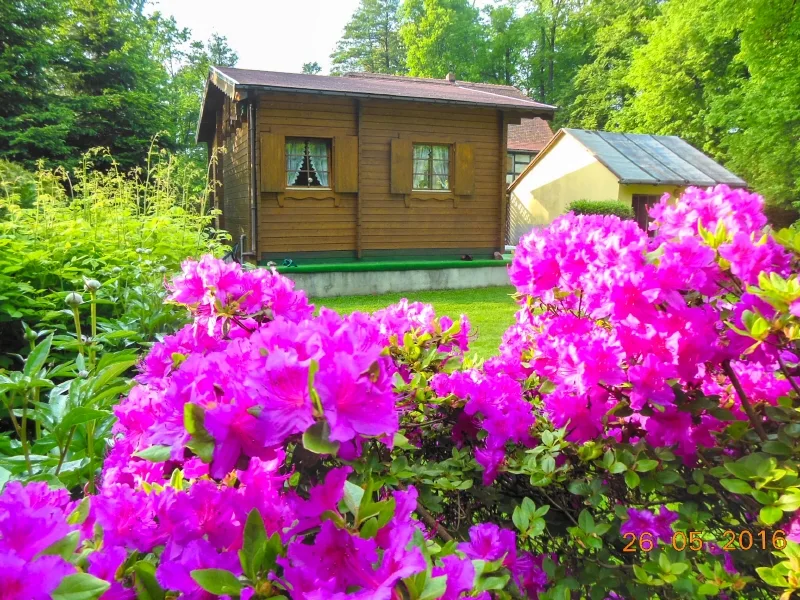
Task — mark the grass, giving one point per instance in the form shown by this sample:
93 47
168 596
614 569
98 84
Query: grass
490 310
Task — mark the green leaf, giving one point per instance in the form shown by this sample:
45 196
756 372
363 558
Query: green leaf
80 586
217 581
145 582
316 439
788 502
631 479
617 468
65 547
435 587
520 519
777 448
81 415
586 521
37 357
253 545
769 515
736 486
353 495
80 514
156 454
645 465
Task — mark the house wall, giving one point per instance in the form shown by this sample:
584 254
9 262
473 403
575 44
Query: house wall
436 222
567 172
308 220
234 161
312 224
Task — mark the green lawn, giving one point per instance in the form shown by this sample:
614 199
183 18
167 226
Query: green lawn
490 310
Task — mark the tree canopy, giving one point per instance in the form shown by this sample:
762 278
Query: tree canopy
76 74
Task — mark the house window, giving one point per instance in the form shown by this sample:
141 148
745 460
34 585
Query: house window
641 204
431 167
308 162
516 163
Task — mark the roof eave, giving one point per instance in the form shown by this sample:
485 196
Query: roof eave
227 85
533 111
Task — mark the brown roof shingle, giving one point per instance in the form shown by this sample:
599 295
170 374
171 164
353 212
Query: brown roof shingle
531 135
389 86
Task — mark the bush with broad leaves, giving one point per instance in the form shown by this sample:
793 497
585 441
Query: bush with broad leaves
636 437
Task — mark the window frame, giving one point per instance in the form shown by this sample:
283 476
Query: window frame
307 156
640 204
511 156
431 175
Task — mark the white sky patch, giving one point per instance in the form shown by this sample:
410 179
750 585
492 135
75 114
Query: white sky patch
269 35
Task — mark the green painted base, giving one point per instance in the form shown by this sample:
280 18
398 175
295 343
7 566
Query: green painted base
407 265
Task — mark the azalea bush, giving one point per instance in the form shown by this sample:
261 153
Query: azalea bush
635 438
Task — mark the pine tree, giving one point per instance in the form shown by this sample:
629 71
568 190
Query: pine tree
371 40
34 120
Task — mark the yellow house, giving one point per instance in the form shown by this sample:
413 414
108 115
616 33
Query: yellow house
599 165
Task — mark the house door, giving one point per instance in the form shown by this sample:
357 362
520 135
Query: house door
641 205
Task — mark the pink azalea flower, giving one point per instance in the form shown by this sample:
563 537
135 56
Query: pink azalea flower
489 542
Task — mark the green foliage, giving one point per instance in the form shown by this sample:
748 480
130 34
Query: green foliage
600 85
77 74
371 40
312 68
443 36
602 207
88 266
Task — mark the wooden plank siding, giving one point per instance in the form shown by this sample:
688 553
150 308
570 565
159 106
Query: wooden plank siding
319 220
371 219
235 170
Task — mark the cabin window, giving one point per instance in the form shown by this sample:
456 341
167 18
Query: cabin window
641 204
431 167
308 162
516 163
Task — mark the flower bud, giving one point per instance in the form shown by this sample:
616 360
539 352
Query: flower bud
116 270
162 269
91 285
74 299
83 373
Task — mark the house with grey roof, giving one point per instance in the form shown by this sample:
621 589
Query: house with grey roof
635 168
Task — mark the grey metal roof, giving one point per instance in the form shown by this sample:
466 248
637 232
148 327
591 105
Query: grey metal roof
654 159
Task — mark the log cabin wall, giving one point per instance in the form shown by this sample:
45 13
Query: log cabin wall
371 221
295 223
235 161
429 224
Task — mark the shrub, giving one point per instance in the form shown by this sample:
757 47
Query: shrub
126 230
602 207
639 424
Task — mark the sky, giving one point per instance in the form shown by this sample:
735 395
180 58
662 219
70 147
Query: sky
271 35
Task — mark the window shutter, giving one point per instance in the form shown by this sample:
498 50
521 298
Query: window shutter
345 163
464 169
273 163
401 166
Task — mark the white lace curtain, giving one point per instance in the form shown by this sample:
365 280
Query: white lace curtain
318 160
295 153
441 167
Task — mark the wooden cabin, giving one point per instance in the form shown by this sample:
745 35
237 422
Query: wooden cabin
360 167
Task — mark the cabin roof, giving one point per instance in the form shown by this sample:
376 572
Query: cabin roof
231 80
531 135
638 158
